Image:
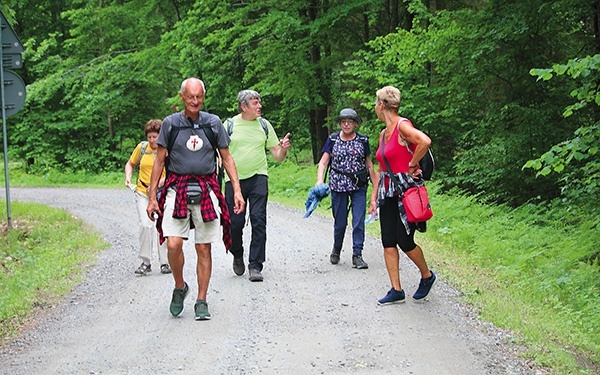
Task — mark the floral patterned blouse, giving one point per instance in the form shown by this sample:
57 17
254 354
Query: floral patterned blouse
348 157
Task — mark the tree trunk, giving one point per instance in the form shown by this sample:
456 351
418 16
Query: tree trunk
109 121
322 88
596 20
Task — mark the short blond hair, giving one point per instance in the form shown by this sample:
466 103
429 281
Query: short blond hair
390 97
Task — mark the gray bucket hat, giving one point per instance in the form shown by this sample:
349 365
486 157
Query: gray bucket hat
348 113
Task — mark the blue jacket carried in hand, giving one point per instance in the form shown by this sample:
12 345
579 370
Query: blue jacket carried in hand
314 197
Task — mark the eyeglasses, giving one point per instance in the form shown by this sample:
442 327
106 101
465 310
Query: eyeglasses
347 122
189 98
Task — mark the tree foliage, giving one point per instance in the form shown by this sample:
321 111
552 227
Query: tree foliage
464 77
98 70
576 159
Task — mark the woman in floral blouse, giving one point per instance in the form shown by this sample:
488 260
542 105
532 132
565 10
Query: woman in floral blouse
348 155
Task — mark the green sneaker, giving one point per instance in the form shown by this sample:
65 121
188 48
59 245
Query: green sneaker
201 308
176 307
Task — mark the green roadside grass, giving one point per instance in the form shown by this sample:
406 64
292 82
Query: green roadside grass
45 253
41 257
532 270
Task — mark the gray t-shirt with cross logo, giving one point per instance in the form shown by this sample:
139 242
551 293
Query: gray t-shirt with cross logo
192 152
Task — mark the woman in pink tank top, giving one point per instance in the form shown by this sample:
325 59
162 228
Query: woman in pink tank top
395 141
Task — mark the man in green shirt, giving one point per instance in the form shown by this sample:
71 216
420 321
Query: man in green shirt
251 136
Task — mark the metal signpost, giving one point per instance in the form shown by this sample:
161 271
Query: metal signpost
13 90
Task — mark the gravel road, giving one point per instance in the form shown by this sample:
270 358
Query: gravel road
307 317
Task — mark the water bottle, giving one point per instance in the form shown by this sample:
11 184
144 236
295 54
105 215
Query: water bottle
371 218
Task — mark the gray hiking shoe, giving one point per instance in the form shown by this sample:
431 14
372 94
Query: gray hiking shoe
255 275
201 308
179 295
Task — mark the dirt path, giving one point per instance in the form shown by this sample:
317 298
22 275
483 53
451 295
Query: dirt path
307 317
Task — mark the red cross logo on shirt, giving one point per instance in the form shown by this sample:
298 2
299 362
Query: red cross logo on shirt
194 143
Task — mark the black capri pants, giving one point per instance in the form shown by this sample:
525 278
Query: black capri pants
393 232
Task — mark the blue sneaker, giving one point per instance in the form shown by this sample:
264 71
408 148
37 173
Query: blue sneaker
176 307
424 287
393 296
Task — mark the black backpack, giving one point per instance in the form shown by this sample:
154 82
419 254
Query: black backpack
427 165
427 162
187 124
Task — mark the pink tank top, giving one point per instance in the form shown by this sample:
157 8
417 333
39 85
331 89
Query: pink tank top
396 154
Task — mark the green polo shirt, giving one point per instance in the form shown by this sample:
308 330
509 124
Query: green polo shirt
248 147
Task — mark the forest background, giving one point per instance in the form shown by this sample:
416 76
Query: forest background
507 90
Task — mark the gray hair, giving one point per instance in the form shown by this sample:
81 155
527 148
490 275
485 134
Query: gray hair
245 96
185 82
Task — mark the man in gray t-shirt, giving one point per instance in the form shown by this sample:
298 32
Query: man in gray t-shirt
188 148
199 158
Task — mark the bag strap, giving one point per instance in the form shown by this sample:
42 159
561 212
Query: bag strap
143 148
393 176
263 124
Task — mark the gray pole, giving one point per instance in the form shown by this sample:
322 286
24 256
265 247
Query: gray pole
5 142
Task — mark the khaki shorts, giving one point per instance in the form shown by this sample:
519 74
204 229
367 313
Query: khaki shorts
204 232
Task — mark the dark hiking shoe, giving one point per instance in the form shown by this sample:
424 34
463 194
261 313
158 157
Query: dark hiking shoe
358 262
238 266
334 258
425 287
176 307
393 296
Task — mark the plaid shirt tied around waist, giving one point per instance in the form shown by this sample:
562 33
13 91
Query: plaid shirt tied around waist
207 183
387 189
